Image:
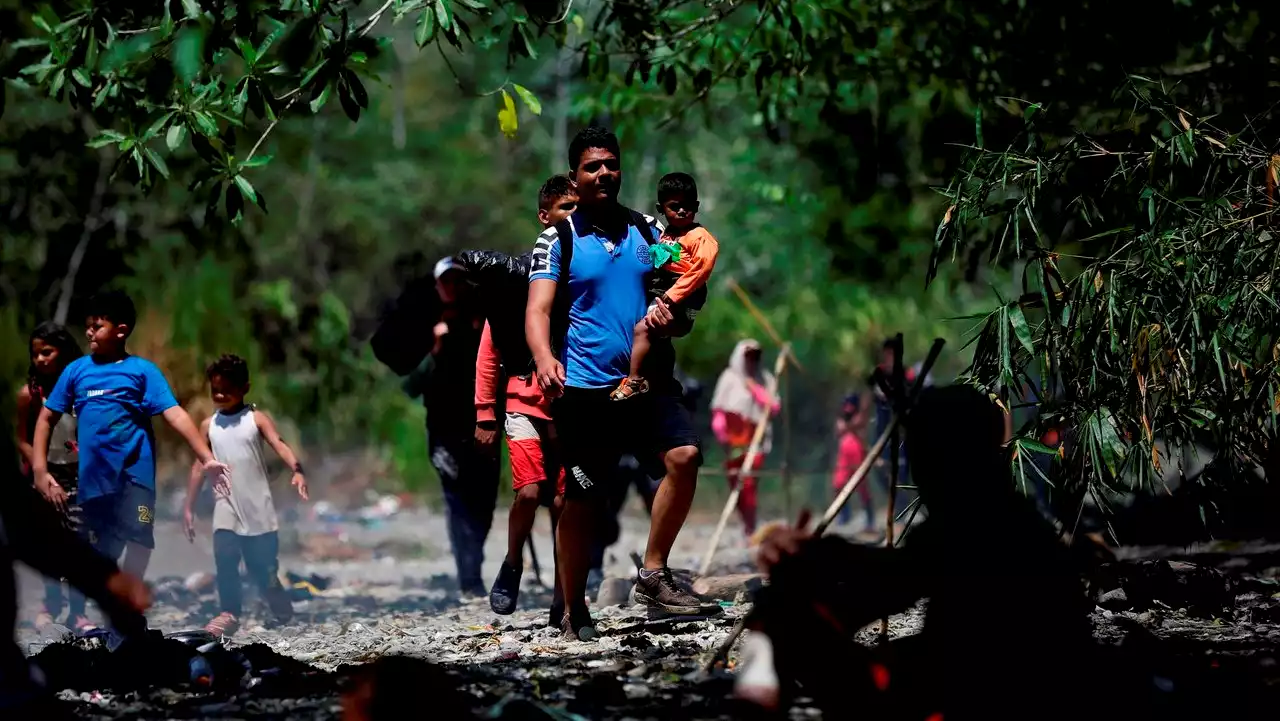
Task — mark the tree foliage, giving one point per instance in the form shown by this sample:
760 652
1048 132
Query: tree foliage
1146 318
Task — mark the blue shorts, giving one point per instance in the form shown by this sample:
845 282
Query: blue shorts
115 519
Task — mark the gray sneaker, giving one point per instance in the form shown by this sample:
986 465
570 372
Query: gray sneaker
658 589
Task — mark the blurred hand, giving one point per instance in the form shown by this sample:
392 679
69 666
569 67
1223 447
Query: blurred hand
299 482
659 316
551 376
129 591
782 542
219 474
486 438
189 524
440 330
52 492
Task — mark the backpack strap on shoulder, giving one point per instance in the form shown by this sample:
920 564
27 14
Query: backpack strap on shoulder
642 224
560 308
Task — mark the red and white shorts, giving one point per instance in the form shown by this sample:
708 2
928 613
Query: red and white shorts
530 443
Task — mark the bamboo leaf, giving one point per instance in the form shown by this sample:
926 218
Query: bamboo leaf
1020 328
507 120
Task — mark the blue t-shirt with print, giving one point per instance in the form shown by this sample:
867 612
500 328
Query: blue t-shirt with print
607 297
114 403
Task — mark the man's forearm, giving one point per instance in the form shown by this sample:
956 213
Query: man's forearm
178 419
537 331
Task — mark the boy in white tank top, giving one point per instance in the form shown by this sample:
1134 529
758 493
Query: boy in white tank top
244 519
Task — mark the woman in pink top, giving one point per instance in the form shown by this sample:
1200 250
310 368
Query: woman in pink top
741 400
849 455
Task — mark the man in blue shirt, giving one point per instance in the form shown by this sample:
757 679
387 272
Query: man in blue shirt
604 280
114 395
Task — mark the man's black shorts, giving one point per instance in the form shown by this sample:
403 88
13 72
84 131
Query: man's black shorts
595 432
119 518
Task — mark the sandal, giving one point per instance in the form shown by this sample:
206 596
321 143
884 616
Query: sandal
224 624
629 388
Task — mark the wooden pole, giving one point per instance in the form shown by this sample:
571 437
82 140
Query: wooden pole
763 321
779 367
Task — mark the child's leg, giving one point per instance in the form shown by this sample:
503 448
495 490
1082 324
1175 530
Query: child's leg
262 561
226 564
639 349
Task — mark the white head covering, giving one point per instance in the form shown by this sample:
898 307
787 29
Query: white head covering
732 394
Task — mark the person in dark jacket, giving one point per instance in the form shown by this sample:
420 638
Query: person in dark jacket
982 544
446 381
31 531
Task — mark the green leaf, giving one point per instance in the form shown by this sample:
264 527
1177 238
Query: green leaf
235 203
205 124
444 14
1020 328
156 161
426 29
247 51
530 100
156 127
507 120
358 93
349 105
474 5
256 162
246 187
177 133
81 77
192 9
59 78
1036 446
977 126
311 74
107 137
187 51
320 99
523 29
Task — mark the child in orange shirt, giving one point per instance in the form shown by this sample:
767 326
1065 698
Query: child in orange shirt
682 262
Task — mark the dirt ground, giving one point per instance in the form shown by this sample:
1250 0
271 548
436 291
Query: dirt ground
396 594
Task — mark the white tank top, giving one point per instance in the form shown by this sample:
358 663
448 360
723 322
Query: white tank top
249 510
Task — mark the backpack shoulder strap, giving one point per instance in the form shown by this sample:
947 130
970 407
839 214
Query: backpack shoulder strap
641 222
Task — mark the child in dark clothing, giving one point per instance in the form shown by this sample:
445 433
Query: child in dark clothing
114 395
682 262
52 350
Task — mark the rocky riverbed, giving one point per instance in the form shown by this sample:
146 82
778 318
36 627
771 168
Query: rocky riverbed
384 588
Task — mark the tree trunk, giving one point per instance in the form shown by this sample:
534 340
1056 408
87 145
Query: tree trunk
92 222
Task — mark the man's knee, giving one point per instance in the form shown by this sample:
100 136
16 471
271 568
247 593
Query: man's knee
683 461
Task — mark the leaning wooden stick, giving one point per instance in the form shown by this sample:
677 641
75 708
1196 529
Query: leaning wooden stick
763 321
722 652
537 568
748 462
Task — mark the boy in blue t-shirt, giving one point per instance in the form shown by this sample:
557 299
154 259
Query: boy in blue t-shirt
114 396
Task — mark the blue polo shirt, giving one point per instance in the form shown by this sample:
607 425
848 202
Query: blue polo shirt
607 294
114 403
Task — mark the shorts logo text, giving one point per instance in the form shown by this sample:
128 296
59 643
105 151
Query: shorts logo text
581 477
144 514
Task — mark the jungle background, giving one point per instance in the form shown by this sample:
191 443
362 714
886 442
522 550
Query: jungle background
927 167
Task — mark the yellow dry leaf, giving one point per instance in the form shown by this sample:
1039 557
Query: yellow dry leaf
1183 119
1097 282
1155 458
946 218
1214 141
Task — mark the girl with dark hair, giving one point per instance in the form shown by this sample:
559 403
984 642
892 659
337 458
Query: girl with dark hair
52 349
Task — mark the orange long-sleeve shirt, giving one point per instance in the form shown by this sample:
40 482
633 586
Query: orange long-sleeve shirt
698 252
523 395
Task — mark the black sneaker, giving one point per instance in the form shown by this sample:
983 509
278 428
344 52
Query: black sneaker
506 590
579 626
658 589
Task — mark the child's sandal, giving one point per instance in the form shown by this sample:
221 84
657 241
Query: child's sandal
628 388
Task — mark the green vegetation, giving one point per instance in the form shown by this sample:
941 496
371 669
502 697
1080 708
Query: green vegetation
144 146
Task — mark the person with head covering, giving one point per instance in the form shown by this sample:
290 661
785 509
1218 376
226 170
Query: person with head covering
446 380
742 400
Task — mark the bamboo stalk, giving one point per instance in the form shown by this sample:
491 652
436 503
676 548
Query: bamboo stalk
779 367
763 321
